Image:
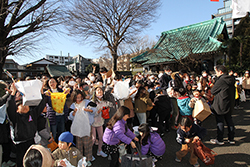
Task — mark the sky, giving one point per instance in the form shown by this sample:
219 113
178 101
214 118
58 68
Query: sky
172 14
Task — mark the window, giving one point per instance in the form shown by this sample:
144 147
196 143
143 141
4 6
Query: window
56 57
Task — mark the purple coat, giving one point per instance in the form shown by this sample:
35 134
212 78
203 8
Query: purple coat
113 137
155 144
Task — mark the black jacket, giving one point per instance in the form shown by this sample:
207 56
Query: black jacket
25 125
224 94
196 130
162 104
164 80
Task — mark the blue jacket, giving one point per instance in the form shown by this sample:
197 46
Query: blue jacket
155 144
196 130
118 133
183 103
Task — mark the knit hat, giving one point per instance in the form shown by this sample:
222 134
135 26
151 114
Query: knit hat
46 155
66 137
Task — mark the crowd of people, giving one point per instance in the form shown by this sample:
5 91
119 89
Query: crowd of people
95 113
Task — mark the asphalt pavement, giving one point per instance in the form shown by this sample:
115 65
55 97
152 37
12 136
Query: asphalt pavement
237 155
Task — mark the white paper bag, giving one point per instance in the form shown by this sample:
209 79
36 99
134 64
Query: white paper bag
31 90
121 90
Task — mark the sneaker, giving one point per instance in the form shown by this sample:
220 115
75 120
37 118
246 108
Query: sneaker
89 163
236 108
177 160
154 160
232 142
101 153
215 141
240 108
197 164
93 158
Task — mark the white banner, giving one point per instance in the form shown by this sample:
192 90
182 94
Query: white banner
240 8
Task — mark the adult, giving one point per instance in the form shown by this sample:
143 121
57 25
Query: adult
165 78
57 120
223 105
246 83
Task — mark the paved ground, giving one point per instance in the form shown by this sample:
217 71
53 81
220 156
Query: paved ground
237 155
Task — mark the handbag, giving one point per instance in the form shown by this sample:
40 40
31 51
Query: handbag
204 153
132 160
52 146
105 113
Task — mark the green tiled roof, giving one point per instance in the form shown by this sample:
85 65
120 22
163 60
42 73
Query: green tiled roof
179 43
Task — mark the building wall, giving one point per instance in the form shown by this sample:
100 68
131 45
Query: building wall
60 60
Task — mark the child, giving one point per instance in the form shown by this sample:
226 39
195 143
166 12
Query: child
65 151
186 133
81 127
24 121
151 142
117 132
196 96
183 103
163 108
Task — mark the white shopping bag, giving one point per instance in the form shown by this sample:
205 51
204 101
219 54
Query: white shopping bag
121 90
243 96
2 113
31 90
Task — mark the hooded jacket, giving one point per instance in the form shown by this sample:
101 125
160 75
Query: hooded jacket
183 104
155 144
224 94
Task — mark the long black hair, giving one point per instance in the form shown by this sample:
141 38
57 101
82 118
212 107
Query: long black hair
145 129
120 113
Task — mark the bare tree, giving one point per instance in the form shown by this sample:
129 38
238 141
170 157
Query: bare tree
22 22
110 22
105 61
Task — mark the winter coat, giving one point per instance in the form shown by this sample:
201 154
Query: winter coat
164 80
4 128
141 104
224 94
73 156
118 133
162 104
195 130
25 125
155 144
183 103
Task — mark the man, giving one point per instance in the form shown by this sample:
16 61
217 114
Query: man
224 92
165 78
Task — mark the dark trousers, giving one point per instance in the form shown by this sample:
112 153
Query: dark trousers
237 102
220 126
21 150
114 160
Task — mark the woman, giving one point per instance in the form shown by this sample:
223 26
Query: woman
141 101
117 132
57 120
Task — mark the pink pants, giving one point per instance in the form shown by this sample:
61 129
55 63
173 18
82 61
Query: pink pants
100 134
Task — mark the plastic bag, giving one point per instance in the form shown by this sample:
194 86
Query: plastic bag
82 162
243 96
80 126
2 113
105 113
31 90
58 100
121 90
